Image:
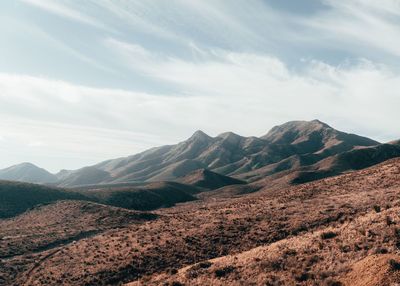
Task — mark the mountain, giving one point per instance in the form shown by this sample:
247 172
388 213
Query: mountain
285 147
27 172
296 151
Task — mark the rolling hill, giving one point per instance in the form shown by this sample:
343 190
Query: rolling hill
59 223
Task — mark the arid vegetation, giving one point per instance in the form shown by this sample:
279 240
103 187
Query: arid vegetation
307 234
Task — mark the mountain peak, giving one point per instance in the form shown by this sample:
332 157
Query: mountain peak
199 135
317 121
228 135
27 172
24 165
295 128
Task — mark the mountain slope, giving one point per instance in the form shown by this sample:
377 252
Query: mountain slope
27 172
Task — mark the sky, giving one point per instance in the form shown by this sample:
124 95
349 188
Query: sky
85 81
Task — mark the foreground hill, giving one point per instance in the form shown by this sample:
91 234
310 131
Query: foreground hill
48 226
337 255
356 248
27 172
310 234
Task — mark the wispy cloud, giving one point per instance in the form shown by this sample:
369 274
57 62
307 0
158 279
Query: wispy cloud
358 26
246 93
56 7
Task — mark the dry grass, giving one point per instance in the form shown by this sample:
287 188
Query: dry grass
356 255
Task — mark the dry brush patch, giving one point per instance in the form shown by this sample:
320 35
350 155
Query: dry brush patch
362 252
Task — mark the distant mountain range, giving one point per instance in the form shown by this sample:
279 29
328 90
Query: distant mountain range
298 151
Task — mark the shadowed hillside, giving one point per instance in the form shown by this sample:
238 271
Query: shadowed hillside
204 178
16 198
148 197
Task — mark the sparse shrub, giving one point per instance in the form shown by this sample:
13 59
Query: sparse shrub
274 265
345 248
377 208
303 277
205 264
222 272
328 235
389 221
313 259
381 251
394 265
176 283
290 252
334 283
172 271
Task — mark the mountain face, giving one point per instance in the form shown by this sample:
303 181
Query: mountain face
293 146
27 172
